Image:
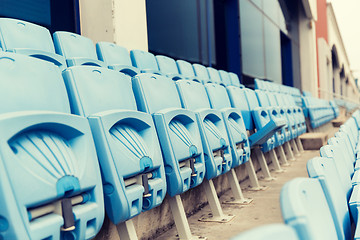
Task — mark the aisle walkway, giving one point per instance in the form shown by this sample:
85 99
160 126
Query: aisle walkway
264 209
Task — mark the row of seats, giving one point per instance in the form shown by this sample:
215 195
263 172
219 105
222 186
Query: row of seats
152 135
326 205
279 88
319 111
349 106
333 103
122 113
27 38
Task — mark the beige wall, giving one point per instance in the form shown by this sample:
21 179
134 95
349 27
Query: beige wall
130 24
96 21
119 21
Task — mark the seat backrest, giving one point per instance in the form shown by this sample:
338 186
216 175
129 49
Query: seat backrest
280 100
88 84
272 231
339 152
259 84
113 54
251 98
72 45
324 169
291 100
307 94
167 65
185 68
225 78
144 60
201 72
347 143
147 88
272 99
25 85
234 79
193 95
238 100
20 34
304 207
262 98
219 99
214 75
122 138
346 128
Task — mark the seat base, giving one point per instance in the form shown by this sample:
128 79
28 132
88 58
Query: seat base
244 201
225 218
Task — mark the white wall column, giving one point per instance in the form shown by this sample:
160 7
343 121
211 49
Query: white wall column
120 21
130 26
308 59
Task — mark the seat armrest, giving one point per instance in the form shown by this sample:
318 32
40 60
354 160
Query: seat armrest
263 134
175 77
56 59
151 71
78 61
128 70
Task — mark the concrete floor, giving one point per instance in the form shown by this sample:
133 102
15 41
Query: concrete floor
264 209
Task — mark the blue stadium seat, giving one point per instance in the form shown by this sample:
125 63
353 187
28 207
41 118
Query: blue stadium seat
168 67
273 100
336 152
319 111
186 70
262 119
325 170
235 80
254 117
116 58
335 108
214 136
356 116
272 231
285 101
201 73
77 49
177 130
344 141
234 123
274 113
214 75
304 207
307 94
260 84
144 61
354 206
225 78
50 183
29 39
126 141
238 100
